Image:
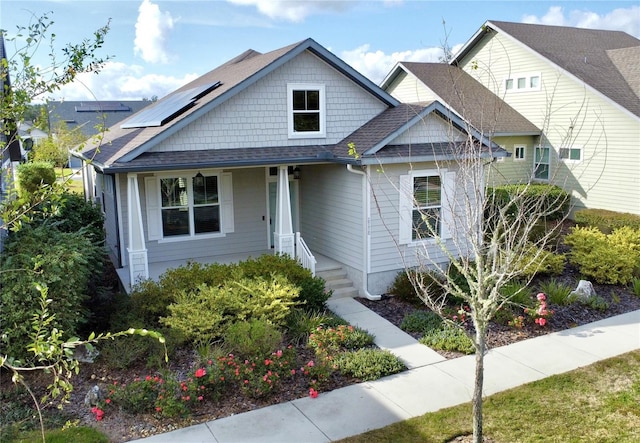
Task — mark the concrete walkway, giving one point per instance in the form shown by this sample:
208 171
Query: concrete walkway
430 384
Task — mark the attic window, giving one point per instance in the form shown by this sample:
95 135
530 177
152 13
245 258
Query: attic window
306 110
523 82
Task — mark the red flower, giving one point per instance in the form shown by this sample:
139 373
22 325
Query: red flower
313 393
200 373
107 401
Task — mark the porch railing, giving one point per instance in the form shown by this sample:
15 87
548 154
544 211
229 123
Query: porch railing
305 256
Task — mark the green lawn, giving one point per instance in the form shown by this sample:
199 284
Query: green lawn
73 184
598 403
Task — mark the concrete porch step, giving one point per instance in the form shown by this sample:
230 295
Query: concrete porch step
348 292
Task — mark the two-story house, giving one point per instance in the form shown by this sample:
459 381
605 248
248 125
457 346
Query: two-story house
291 151
581 87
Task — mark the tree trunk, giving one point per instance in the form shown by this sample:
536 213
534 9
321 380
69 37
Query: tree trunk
477 391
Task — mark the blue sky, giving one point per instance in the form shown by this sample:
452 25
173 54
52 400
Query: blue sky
157 46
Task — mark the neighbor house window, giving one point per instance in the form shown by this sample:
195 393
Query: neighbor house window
306 110
190 205
523 82
427 206
541 163
573 154
519 152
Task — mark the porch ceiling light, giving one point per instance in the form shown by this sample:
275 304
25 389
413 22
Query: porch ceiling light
199 179
296 173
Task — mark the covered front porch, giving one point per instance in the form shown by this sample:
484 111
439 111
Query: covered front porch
322 263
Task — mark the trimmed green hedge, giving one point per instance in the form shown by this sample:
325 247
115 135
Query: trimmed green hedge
555 200
33 174
606 221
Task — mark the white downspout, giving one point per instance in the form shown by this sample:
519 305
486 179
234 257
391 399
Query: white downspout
365 242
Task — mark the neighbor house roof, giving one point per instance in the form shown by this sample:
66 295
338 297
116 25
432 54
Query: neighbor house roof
88 116
123 145
467 97
587 54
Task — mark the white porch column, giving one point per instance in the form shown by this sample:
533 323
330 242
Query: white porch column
137 249
284 238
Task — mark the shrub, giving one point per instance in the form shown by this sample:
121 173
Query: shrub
301 322
537 261
557 292
152 299
312 289
255 338
63 262
76 214
207 313
404 289
516 293
421 321
32 175
369 364
608 259
330 341
606 221
635 285
448 338
542 198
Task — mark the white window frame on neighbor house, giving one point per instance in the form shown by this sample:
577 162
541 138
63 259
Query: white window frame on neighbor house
321 111
523 82
519 153
156 209
537 163
409 206
571 154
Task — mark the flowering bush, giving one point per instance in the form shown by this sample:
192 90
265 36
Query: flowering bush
541 312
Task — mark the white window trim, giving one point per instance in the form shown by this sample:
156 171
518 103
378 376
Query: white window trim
154 205
323 117
536 147
524 153
569 160
527 76
447 183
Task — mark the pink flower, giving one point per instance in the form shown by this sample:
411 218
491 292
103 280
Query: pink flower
311 363
158 409
200 373
279 353
293 372
313 393
107 401
541 296
267 362
200 398
541 321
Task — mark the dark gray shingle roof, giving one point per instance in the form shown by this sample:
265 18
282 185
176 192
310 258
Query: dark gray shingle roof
584 53
486 112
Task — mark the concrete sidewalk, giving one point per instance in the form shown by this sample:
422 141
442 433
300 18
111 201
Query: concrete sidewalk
431 383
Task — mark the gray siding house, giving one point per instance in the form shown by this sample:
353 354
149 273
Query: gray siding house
291 151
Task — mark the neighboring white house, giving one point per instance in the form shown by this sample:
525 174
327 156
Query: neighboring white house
581 87
239 161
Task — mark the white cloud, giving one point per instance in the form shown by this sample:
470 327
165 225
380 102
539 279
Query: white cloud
152 33
621 19
118 81
294 10
376 64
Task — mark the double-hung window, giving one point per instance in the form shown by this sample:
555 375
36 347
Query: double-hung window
541 163
306 110
189 205
425 205
519 152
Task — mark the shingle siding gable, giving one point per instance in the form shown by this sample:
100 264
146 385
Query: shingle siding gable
257 116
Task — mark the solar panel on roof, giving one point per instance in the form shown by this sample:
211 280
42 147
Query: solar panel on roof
102 107
168 108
